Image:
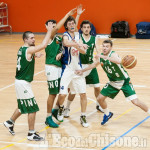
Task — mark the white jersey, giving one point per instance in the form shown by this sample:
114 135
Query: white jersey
71 56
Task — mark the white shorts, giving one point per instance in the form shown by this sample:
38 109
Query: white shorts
23 89
52 72
70 80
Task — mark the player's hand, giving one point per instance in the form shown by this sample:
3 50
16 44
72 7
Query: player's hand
49 26
71 12
85 46
58 57
38 55
79 9
79 72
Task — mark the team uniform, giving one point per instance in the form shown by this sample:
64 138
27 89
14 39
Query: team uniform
52 66
118 80
24 77
71 62
91 76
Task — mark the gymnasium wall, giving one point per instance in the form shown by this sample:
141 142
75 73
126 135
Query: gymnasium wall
32 14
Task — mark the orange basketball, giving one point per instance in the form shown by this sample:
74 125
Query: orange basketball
129 61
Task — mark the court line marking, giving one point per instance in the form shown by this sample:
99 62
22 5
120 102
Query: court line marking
125 133
89 114
1 89
45 146
123 114
49 127
143 86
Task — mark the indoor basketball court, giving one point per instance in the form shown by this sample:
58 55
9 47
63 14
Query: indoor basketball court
126 130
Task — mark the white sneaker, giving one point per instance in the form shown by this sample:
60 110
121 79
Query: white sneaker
34 137
66 112
83 121
10 126
60 115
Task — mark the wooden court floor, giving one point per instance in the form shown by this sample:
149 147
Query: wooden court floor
128 129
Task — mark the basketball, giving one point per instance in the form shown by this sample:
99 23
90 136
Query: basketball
129 61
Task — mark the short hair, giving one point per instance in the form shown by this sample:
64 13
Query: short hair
108 41
70 18
85 22
26 34
53 21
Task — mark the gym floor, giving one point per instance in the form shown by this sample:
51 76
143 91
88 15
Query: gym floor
126 130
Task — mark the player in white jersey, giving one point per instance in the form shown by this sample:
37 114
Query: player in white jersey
71 61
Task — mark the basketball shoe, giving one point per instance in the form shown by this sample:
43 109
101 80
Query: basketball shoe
84 121
10 126
106 118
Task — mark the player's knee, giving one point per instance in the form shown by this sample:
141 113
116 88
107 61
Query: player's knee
100 98
135 102
83 95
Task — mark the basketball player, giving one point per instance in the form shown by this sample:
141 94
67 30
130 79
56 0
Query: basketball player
118 80
92 78
24 76
53 67
69 79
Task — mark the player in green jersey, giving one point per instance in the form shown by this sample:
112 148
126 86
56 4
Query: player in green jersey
118 80
24 76
92 79
53 67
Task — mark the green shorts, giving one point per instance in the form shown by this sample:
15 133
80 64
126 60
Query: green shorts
93 79
53 74
27 105
127 89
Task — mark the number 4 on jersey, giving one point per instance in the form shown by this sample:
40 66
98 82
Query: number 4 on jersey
18 63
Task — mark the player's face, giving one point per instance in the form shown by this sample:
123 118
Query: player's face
30 40
106 48
86 29
71 26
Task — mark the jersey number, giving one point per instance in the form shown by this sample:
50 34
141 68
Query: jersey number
18 63
110 70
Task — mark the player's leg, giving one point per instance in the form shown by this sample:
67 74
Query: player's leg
130 95
140 104
107 91
83 101
27 105
67 108
96 93
32 135
79 86
53 80
9 124
64 84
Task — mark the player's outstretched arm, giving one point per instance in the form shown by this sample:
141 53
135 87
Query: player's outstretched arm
113 58
79 46
62 21
91 66
79 12
34 49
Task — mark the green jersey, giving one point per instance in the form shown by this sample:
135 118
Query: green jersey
52 50
25 68
88 57
115 72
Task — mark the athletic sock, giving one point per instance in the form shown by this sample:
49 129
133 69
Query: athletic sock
68 104
12 121
148 111
83 113
106 111
56 107
49 114
31 131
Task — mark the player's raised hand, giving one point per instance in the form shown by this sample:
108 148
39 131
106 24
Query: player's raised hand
79 9
49 26
71 12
